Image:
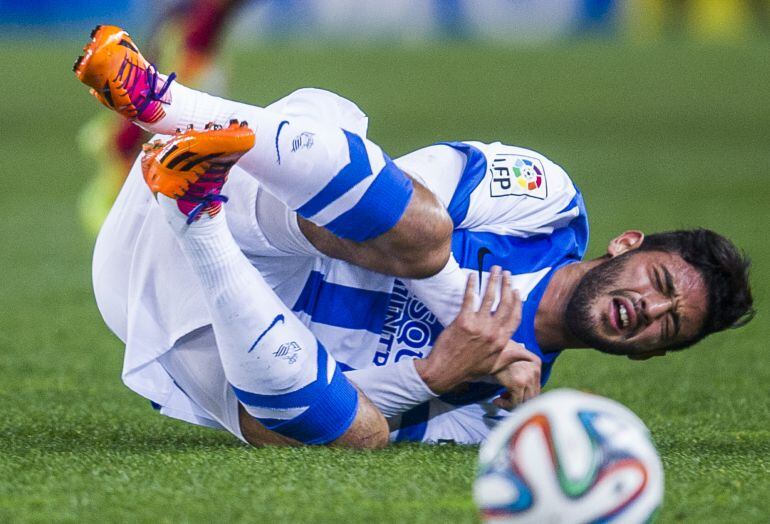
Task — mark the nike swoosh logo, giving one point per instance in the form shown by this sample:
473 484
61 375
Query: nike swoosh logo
483 251
279 318
277 134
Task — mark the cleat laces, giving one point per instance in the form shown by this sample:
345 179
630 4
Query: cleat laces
155 94
203 203
151 93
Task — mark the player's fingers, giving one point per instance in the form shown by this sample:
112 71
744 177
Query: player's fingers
518 391
506 357
514 315
504 401
513 396
506 297
491 291
470 293
531 391
517 396
529 380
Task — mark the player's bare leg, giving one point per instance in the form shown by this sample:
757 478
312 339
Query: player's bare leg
356 204
283 377
369 430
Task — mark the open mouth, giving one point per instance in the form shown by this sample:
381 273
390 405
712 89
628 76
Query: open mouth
622 314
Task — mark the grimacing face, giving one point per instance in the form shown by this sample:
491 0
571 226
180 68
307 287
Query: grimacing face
638 303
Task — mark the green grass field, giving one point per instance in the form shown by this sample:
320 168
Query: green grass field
656 137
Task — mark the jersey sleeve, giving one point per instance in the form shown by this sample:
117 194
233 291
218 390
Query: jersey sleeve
394 388
495 187
511 191
437 167
445 420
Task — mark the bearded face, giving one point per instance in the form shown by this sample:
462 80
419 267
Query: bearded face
637 303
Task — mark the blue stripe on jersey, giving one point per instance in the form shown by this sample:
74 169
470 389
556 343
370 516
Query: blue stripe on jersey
579 224
344 367
473 174
525 334
342 306
414 423
350 175
521 255
380 207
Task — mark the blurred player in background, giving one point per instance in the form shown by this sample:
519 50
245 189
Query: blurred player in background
705 19
186 33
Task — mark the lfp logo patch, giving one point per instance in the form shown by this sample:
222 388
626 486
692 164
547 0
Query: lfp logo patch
517 175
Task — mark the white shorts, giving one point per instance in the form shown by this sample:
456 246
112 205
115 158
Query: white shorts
194 364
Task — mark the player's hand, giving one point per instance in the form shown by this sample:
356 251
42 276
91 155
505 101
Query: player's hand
521 378
477 342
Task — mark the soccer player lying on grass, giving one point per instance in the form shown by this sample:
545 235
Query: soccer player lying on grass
202 308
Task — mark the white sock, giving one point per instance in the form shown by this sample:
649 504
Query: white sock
265 349
189 106
331 177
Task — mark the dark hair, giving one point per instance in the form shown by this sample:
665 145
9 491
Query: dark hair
724 268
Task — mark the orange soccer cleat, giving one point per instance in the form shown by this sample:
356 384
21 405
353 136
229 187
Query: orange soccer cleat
120 77
192 167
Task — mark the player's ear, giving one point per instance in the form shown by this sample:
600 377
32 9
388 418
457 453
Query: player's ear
626 241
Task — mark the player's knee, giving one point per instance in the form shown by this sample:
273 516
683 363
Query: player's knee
423 265
374 438
369 429
431 261
421 242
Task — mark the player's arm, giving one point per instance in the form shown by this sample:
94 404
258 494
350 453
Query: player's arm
443 295
475 344
478 342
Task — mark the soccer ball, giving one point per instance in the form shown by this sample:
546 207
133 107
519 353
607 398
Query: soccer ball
568 457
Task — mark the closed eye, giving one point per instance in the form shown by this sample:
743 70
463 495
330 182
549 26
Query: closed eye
665 326
668 327
670 291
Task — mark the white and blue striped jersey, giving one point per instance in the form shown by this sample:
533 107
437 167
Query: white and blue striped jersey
511 207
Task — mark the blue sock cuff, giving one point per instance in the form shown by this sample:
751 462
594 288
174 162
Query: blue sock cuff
326 419
379 209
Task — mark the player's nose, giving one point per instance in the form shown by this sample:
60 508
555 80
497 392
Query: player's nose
657 305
